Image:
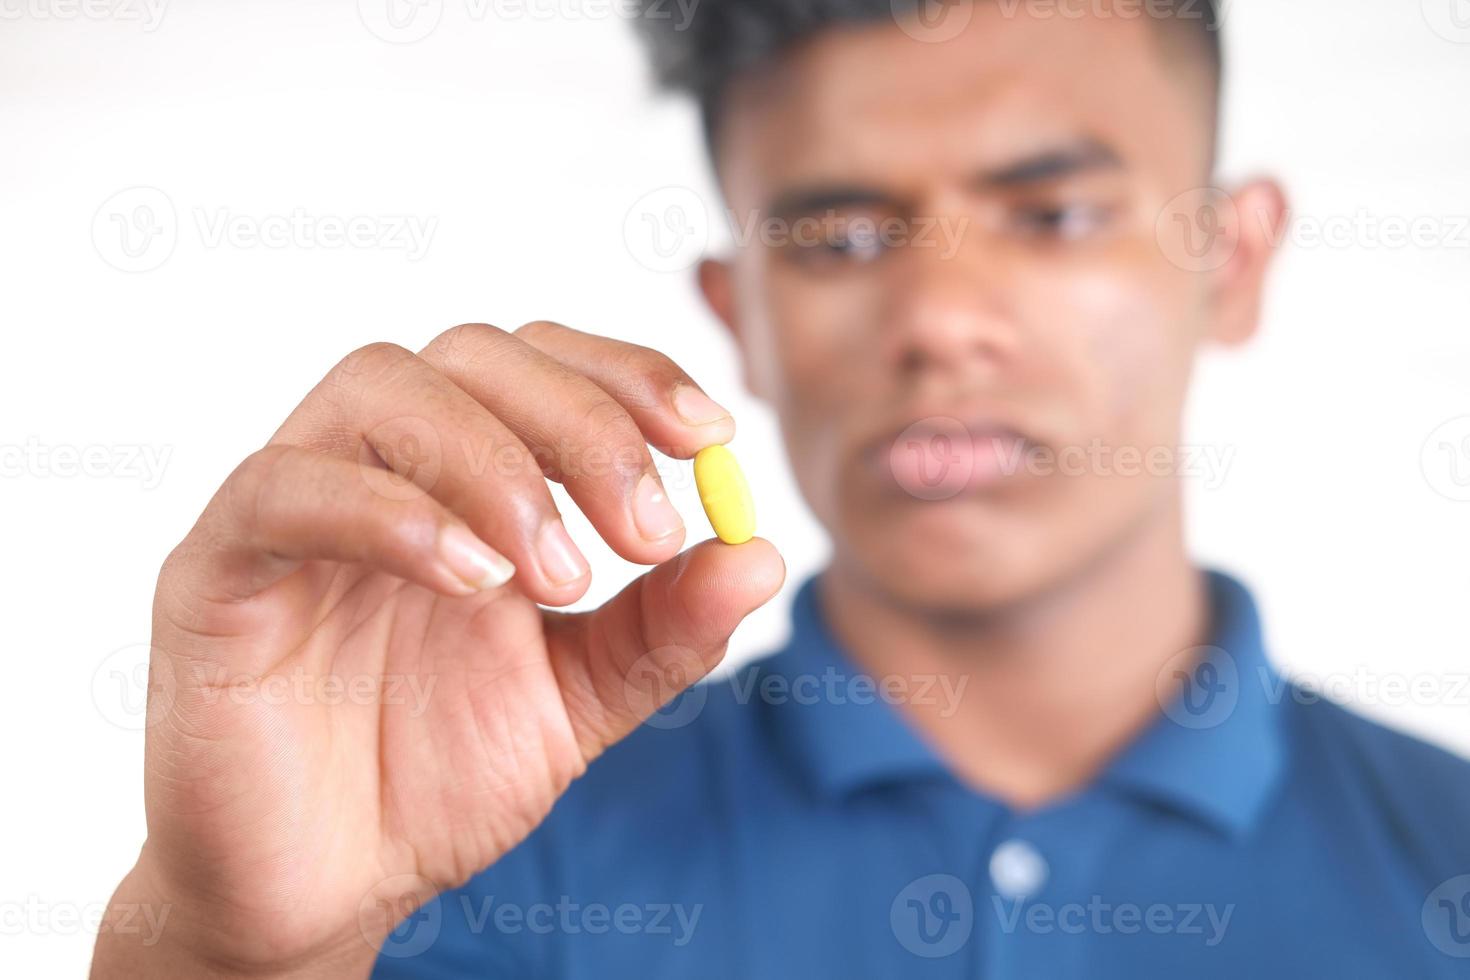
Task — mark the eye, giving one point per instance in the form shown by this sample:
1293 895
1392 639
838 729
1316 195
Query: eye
1061 222
838 239
857 240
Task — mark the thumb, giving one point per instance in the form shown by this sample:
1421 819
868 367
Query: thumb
619 663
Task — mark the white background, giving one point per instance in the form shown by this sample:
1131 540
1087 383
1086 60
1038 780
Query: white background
526 139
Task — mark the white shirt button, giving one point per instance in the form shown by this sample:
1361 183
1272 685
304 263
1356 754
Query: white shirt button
1017 869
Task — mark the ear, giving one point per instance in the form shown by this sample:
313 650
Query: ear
719 291
717 283
1259 216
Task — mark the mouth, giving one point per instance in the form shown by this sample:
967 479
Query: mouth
940 455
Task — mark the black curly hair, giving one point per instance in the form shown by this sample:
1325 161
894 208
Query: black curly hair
701 46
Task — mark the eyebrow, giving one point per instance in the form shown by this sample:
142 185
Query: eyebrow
816 200
1067 161
1055 164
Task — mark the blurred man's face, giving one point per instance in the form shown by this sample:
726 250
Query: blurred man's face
982 325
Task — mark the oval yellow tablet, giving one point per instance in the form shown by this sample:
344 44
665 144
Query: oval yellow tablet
725 494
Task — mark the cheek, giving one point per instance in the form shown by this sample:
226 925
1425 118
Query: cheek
1125 346
822 340
822 365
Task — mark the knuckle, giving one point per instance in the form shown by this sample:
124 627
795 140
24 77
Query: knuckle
659 367
612 446
467 332
241 498
608 422
173 562
369 361
255 471
650 373
536 327
639 356
475 328
467 343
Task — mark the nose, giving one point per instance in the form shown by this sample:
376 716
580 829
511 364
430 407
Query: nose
948 312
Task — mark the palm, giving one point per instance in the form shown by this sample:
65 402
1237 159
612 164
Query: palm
400 733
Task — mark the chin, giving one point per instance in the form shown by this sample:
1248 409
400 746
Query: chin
958 558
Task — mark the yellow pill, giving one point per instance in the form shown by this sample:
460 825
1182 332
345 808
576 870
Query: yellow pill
725 494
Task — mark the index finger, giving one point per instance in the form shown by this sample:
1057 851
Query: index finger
673 412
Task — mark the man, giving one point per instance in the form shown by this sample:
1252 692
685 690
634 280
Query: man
1016 733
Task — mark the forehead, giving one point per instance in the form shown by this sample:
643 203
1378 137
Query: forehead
877 104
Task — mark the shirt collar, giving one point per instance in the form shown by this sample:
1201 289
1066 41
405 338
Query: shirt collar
846 736
1214 753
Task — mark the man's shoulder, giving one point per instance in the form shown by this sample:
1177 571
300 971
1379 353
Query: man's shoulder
1420 790
1335 728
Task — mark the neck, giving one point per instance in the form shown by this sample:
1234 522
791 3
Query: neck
1050 688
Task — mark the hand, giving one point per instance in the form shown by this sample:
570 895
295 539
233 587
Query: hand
291 822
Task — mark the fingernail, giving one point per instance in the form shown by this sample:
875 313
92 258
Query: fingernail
653 512
561 562
476 564
697 408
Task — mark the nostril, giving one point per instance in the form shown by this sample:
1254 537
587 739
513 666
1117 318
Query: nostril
912 361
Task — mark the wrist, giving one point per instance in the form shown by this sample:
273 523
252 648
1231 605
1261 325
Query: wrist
147 932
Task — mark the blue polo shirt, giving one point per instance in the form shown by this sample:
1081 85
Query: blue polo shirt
787 822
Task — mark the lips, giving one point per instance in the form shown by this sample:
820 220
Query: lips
942 455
